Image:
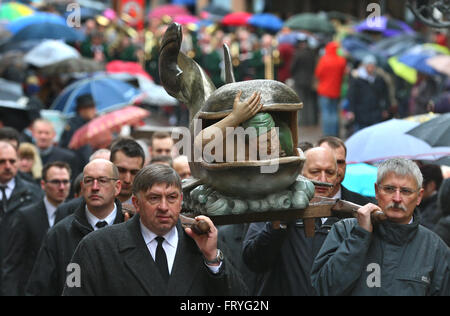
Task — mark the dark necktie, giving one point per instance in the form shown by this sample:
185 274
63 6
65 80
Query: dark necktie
101 224
161 259
4 201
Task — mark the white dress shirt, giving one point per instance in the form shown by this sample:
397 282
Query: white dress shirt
9 188
92 219
169 245
51 212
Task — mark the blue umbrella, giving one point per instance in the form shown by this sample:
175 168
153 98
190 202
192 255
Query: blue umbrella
389 139
109 94
37 18
266 21
418 61
48 30
360 178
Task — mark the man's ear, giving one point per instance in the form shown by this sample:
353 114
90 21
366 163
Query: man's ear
135 202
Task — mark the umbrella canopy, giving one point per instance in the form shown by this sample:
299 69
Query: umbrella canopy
316 23
14 114
72 65
13 10
118 66
186 19
109 94
394 46
50 52
48 30
435 132
360 178
10 90
440 63
387 140
36 18
106 124
266 21
171 10
236 19
388 27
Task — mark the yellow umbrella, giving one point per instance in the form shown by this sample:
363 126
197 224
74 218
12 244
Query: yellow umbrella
421 118
403 71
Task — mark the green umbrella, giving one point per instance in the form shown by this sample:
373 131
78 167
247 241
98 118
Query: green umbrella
316 23
12 11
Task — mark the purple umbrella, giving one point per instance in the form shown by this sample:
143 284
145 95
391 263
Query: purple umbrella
387 26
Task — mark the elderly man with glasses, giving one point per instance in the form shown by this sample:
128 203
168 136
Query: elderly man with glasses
100 187
395 257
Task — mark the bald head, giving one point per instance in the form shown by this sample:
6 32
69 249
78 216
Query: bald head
321 165
181 166
8 162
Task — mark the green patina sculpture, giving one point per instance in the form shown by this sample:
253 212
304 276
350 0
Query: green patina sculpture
237 184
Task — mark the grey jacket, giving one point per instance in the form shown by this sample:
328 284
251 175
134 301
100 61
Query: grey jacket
392 260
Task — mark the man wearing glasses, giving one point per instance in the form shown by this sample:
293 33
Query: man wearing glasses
100 187
29 226
395 257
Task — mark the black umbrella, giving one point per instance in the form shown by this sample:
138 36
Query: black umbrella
435 132
14 114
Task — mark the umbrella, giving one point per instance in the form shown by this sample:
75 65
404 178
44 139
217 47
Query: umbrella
388 27
360 178
14 114
36 18
421 118
387 140
72 65
266 21
418 61
440 63
106 124
435 132
10 90
213 12
48 30
12 11
118 66
315 23
168 9
109 94
50 52
186 19
236 19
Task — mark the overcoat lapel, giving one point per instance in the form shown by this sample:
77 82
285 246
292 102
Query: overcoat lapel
42 218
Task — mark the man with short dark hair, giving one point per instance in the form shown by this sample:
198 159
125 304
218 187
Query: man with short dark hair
396 256
127 155
161 144
100 187
151 254
30 225
429 211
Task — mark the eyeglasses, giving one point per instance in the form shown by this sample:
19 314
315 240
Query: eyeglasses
101 180
389 189
58 182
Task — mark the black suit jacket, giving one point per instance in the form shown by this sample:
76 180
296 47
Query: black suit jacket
28 228
49 271
24 193
116 261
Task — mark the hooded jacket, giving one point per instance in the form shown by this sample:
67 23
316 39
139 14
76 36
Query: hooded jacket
394 259
330 72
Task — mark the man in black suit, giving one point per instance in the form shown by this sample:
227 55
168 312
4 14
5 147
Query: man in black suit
99 188
151 254
30 225
44 135
339 191
15 193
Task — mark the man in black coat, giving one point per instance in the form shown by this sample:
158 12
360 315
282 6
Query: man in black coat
15 193
100 187
44 135
29 226
151 254
339 149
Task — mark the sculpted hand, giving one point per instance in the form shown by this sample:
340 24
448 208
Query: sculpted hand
242 111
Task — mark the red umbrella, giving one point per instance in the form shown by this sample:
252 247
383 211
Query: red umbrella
186 19
168 9
98 130
236 19
130 67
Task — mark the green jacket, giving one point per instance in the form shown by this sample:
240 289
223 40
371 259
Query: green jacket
392 260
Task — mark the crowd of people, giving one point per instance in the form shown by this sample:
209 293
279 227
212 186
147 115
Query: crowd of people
104 220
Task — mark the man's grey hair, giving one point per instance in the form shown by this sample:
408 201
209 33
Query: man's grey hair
401 167
155 174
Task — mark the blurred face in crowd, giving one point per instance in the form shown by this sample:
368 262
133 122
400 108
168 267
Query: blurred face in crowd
320 165
88 113
339 153
162 147
159 207
99 186
44 134
56 185
128 168
8 162
370 69
398 196
26 164
181 166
